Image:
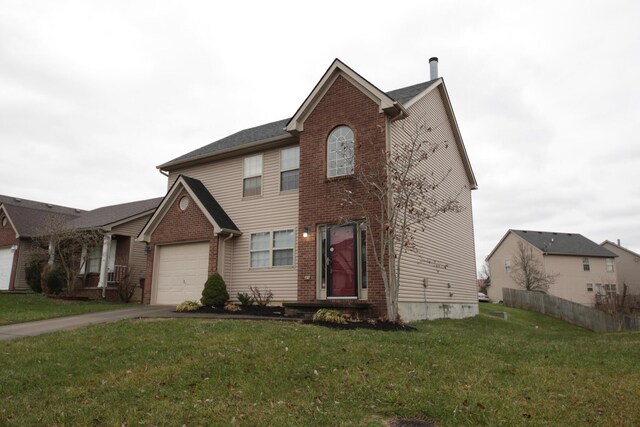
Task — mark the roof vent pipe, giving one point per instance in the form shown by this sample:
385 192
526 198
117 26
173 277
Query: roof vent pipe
433 68
618 242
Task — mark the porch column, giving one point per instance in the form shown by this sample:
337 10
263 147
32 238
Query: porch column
106 244
52 252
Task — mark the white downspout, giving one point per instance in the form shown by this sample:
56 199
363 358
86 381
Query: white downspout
102 283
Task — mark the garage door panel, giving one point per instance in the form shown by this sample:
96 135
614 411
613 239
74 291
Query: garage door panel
6 263
181 272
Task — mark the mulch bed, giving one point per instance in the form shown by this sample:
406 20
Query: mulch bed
253 310
275 311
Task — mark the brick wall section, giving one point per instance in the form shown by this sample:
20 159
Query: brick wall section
181 226
8 239
343 104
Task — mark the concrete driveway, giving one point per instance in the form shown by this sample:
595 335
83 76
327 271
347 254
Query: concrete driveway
29 329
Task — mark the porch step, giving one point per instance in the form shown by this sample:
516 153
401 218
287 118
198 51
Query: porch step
308 309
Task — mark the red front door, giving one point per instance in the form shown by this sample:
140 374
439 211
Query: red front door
342 261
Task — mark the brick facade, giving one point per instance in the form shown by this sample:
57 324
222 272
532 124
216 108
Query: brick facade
179 226
320 197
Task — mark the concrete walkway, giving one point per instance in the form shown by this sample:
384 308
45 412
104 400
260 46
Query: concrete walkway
29 329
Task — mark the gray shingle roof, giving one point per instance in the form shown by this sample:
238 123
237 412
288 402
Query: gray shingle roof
564 244
276 129
110 214
30 217
210 203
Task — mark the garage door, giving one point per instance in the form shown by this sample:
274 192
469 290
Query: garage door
181 272
6 261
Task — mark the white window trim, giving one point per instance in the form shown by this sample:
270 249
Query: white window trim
609 263
271 248
507 266
587 264
290 169
245 176
589 287
353 153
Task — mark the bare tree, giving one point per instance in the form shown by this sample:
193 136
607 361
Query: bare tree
400 197
485 275
528 272
67 245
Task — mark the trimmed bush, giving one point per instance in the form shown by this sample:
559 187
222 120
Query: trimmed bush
53 280
329 316
33 273
187 306
215 291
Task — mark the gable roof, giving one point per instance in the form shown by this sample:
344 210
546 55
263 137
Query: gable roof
28 216
336 69
615 245
207 204
275 131
575 244
107 216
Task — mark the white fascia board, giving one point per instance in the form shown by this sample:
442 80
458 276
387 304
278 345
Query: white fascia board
10 221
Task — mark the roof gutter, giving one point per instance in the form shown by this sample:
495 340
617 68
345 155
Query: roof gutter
205 157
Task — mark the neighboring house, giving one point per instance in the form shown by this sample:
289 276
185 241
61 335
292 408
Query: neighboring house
627 266
582 267
20 221
264 207
119 255
23 220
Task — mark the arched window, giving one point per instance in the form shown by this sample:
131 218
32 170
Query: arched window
340 152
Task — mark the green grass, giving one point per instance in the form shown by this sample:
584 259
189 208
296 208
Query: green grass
18 308
528 370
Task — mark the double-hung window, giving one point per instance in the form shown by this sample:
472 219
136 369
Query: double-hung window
585 264
94 259
610 265
507 266
272 249
252 182
289 168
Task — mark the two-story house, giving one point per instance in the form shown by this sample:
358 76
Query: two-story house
627 266
581 268
265 207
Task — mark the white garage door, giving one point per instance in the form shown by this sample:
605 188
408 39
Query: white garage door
6 261
181 272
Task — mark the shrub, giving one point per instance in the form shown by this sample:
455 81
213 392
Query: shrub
215 291
187 306
231 307
329 316
53 280
33 273
245 299
262 299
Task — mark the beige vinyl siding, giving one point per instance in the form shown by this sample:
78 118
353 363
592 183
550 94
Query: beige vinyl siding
448 241
570 281
272 211
23 259
137 257
627 268
500 278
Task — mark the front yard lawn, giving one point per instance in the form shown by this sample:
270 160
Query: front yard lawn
18 308
528 370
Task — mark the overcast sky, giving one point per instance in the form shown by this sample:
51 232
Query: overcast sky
94 95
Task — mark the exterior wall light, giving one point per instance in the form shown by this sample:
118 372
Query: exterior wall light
305 232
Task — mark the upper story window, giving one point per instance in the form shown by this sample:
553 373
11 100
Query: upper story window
340 152
507 265
252 182
585 264
289 168
610 265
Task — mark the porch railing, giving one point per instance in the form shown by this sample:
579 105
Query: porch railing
116 275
